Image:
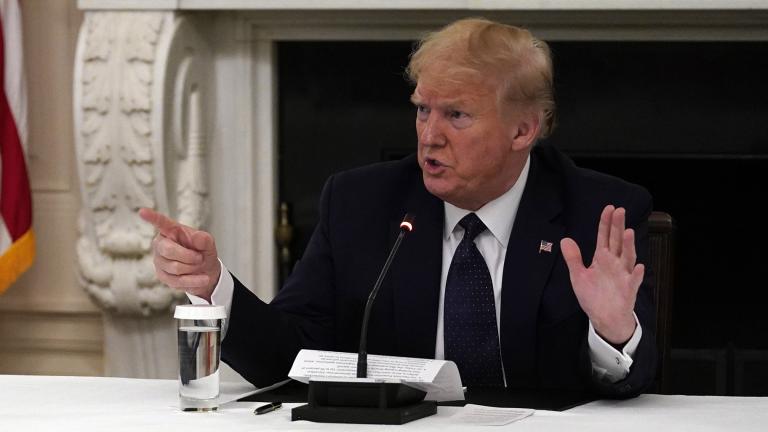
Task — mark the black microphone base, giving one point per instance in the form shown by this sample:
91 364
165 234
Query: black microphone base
358 415
363 403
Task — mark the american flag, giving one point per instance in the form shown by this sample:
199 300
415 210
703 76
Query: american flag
17 240
545 246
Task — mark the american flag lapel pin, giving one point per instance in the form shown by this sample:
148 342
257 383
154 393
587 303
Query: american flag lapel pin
545 246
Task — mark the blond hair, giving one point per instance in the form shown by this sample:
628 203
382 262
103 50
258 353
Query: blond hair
476 50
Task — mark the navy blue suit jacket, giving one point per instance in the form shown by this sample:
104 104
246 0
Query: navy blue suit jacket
543 330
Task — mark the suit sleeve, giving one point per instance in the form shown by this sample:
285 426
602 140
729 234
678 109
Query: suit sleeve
263 339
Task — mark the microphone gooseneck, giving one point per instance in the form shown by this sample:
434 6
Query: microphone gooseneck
406 226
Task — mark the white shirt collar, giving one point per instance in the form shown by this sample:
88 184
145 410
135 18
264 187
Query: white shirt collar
498 215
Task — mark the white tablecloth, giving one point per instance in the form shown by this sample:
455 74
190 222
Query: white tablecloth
42 403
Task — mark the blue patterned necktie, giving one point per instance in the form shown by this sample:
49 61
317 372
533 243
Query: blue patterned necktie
471 334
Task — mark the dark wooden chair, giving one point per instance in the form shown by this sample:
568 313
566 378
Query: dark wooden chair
661 233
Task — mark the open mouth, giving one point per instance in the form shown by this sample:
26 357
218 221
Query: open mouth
433 163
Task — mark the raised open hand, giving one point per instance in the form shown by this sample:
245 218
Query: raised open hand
184 258
607 289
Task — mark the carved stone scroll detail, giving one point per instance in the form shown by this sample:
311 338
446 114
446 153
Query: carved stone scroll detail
139 120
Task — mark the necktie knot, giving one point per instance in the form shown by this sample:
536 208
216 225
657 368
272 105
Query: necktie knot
472 225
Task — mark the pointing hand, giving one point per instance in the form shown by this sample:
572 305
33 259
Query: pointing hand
184 258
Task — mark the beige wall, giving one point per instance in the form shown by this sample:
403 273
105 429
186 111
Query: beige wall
47 323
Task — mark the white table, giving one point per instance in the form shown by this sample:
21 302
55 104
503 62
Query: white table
42 403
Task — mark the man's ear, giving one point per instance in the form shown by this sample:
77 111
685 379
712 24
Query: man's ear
525 130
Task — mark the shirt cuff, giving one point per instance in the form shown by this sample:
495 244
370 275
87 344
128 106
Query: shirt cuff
609 364
222 295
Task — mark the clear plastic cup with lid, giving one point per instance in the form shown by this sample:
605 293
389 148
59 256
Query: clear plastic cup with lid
199 339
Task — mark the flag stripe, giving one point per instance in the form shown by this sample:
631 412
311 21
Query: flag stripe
15 199
5 238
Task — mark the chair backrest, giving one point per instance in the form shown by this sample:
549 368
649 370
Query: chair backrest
661 233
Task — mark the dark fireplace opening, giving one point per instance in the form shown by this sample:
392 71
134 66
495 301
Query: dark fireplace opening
687 120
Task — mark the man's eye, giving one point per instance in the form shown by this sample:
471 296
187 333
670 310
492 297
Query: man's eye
422 112
460 119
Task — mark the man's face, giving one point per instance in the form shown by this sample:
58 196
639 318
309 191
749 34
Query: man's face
469 153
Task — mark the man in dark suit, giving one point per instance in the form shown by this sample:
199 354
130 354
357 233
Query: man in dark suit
492 276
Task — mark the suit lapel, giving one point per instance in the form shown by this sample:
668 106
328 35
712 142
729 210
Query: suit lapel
415 274
526 270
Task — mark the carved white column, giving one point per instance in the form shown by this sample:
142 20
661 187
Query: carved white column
140 138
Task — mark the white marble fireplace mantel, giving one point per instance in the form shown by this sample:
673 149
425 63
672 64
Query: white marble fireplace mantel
403 5
175 109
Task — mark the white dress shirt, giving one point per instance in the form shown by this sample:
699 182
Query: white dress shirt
499 216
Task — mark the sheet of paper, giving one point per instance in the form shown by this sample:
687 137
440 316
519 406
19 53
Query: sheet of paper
439 378
479 415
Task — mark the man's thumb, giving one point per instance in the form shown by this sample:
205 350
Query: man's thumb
571 254
203 242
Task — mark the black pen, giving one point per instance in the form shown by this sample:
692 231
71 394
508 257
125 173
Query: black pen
268 408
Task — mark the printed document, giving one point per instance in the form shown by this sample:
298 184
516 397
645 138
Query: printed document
479 415
439 378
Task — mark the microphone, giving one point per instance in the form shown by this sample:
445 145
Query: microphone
360 401
406 226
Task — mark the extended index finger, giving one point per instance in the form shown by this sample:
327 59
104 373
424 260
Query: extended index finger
167 226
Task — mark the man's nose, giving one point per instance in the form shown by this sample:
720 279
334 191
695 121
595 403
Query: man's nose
432 131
